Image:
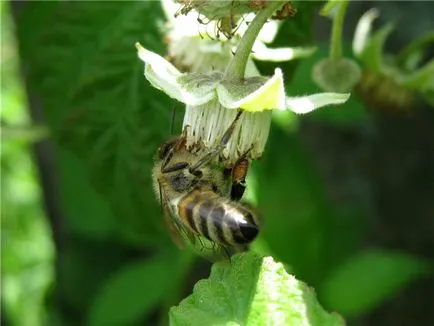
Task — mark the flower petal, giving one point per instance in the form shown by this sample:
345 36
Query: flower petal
363 31
262 52
197 88
192 89
306 104
267 33
160 73
188 22
372 53
254 95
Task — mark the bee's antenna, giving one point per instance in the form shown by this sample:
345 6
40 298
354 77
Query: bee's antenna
179 143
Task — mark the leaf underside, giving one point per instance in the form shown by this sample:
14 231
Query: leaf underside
84 72
251 291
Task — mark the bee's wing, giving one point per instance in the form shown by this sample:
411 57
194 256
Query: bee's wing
213 251
170 220
182 235
179 232
173 230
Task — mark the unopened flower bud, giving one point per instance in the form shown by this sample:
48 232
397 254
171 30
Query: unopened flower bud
336 76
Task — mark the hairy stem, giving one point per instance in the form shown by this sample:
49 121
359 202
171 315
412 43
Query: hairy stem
237 66
336 37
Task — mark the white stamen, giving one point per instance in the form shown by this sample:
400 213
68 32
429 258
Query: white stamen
210 121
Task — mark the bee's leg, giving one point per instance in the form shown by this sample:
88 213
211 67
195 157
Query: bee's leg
228 254
223 142
176 147
239 173
237 191
238 176
175 167
182 140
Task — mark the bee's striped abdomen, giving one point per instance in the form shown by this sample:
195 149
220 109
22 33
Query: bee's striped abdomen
242 223
220 220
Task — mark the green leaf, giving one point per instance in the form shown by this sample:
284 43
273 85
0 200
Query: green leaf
83 265
421 79
410 57
133 291
88 81
251 291
365 281
298 218
86 211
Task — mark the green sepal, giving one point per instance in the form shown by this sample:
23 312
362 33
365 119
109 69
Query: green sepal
198 88
254 94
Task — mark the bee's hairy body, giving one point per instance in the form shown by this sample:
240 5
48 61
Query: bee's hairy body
202 204
217 219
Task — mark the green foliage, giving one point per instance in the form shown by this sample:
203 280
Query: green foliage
27 251
115 262
251 291
372 55
85 209
365 280
298 218
91 87
140 286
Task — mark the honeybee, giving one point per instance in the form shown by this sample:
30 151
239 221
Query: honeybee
198 198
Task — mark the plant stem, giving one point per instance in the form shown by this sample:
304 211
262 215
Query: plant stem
237 66
336 38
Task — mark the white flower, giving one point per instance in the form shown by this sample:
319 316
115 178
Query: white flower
212 103
201 47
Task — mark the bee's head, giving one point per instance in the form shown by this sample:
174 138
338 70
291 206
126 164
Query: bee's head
165 148
182 180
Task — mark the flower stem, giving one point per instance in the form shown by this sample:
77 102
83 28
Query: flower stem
336 38
237 66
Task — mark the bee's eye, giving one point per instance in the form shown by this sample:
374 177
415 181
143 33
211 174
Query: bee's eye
197 173
165 148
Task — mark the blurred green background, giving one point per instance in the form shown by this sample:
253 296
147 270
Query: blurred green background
345 193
